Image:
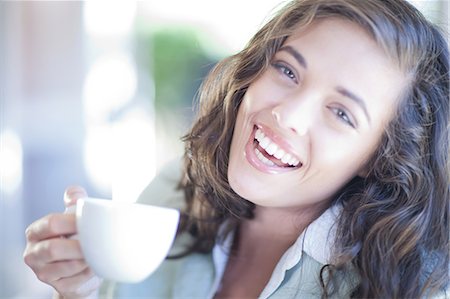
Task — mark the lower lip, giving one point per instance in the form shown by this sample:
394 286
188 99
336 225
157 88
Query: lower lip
258 164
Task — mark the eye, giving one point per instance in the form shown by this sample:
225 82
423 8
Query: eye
285 70
343 116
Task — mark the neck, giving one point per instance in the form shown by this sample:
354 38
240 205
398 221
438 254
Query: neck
279 227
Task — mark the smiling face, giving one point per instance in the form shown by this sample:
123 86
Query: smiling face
311 121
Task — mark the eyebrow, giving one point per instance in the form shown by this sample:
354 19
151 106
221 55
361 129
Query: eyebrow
299 57
348 94
343 91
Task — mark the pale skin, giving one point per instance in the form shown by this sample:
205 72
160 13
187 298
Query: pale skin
56 260
250 269
304 105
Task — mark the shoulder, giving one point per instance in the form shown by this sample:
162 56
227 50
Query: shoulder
432 260
162 190
442 294
319 236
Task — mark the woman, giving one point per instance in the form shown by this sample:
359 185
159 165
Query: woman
317 167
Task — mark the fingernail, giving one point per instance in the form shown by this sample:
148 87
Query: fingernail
72 193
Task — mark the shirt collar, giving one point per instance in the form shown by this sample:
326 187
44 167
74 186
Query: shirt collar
317 240
319 236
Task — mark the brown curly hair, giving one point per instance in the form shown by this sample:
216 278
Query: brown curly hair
393 232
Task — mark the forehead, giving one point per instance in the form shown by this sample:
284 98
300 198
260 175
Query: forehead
342 34
339 52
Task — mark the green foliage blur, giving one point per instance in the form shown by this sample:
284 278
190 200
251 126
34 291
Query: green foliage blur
178 66
175 60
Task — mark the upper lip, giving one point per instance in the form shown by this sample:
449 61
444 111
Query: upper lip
282 142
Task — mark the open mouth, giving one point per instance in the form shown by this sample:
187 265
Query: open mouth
271 154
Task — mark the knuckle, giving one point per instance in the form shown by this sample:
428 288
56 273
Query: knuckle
48 250
42 276
29 233
52 223
51 250
28 258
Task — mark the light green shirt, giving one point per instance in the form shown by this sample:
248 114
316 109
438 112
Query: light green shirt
297 274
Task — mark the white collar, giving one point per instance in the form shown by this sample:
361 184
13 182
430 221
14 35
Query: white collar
319 236
316 241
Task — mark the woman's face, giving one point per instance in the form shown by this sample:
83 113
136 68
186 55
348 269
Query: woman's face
311 121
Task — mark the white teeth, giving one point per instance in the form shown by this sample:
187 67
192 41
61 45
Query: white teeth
272 149
263 159
259 135
292 161
280 153
286 158
264 142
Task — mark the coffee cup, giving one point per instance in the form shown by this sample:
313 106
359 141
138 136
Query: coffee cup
124 242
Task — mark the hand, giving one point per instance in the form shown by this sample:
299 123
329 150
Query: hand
55 259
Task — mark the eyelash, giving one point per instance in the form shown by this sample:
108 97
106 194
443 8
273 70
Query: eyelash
285 70
342 115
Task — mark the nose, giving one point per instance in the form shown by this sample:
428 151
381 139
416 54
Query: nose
296 115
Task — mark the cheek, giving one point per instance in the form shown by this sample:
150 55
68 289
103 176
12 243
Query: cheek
238 142
238 183
343 158
264 93
240 130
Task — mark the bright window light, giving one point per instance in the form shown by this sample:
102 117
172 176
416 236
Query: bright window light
229 24
11 160
135 150
121 157
110 84
109 18
98 156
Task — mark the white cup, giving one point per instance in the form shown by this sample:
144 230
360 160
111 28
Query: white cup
124 242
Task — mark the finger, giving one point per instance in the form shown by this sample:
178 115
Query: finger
54 250
54 271
79 285
51 226
72 194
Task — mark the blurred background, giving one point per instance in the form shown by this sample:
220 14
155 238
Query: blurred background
98 93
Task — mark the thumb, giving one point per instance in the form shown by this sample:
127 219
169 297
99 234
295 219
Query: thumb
72 194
